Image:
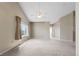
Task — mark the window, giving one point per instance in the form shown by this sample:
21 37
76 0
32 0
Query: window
24 29
51 32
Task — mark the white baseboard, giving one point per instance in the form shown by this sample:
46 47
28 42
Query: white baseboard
4 51
8 49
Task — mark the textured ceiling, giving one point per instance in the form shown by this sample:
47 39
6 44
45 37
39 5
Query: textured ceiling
50 11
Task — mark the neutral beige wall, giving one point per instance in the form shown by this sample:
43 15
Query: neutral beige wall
77 29
40 30
8 11
66 27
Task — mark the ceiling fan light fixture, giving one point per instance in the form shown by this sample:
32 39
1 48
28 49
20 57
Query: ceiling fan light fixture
39 16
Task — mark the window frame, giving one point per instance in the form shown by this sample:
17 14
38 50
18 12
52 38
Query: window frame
27 29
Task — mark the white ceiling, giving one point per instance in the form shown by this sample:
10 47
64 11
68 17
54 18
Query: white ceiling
51 11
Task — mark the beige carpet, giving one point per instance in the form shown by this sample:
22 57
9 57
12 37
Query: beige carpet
40 47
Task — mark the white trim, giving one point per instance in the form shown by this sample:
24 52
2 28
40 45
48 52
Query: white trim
8 49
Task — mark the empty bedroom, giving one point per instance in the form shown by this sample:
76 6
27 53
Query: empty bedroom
37 29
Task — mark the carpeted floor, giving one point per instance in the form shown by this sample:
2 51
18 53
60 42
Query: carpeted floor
39 47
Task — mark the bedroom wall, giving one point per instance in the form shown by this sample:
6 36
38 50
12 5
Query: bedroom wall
77 29
8 11
40 30
66 27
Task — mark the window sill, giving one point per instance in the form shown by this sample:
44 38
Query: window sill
25 36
